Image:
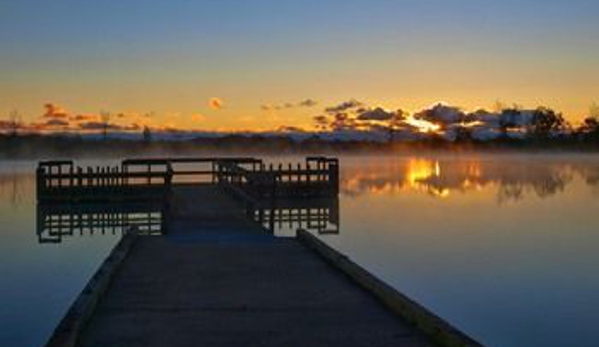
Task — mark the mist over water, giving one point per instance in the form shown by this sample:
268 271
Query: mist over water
502 246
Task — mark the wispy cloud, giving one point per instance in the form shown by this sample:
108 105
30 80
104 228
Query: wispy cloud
288 105
308 103
197 117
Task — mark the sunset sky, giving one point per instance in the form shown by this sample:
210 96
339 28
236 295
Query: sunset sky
233 65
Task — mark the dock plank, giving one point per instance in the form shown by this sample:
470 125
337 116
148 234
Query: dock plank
223 281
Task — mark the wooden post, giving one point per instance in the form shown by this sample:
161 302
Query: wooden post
89 176
213 172
334 177
40 181
71 178
59 176
79 176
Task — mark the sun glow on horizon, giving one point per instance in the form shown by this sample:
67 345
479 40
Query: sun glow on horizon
423 126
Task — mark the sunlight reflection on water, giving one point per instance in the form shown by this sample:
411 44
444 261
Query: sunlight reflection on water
504 247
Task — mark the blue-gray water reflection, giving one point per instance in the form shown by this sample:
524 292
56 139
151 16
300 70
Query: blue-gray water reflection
504 247
39 281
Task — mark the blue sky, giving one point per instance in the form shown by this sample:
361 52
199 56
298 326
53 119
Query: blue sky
171 56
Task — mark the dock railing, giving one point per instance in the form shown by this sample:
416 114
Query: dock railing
187 169
140 179
61 180
318 176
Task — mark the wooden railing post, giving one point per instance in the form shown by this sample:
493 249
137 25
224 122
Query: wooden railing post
71 174
40 181
79 177
168 179
334 176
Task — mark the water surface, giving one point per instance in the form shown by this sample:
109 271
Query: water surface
39 280
503 246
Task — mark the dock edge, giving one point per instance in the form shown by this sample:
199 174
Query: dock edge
424 320
69 330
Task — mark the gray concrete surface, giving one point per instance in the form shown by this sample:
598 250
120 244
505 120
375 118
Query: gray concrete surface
218 280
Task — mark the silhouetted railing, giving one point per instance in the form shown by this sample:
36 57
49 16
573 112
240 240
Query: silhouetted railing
61 180
188 169
145 179
261 184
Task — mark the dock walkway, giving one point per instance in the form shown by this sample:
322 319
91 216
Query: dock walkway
200 264
223 281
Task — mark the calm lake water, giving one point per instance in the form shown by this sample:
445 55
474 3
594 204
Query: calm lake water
502 246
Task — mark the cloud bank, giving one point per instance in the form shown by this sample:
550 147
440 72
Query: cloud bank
355 119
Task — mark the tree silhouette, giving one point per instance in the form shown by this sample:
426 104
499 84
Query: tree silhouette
147 134
589 129
546 122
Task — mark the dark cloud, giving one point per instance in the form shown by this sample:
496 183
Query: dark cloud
216 103
290 129
84 118
57 123
344 106
54 111
288 105
376 114
308 103
356 116
92 125
321 122
5 124
442 115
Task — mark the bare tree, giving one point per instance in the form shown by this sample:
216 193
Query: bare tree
105 119
14 123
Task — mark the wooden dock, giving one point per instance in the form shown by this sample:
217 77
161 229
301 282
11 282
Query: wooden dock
215 275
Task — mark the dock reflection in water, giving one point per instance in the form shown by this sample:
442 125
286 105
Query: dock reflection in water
319 216
56 221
